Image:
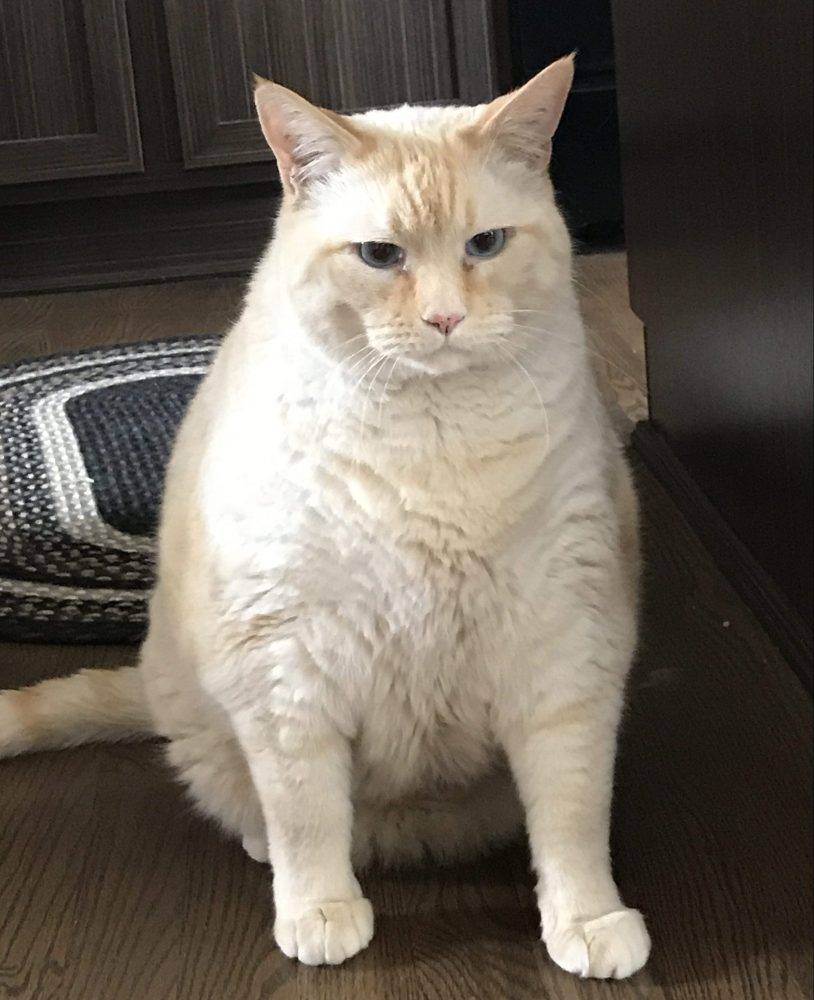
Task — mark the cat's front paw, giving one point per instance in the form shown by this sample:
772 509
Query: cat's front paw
613 946
324 933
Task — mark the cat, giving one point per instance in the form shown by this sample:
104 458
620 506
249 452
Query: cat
397 577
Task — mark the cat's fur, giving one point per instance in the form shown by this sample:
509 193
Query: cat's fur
397 577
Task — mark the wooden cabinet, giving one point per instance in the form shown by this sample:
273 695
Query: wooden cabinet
129 148
336 54
67 101
126 123
715 115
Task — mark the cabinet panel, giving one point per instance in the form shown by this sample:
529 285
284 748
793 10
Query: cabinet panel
68 107
344 54
716 129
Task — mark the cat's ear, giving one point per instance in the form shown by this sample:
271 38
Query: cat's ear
524 121
308 142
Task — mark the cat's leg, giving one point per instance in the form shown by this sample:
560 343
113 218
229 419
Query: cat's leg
561 747
300 767
562 758
208 759
201 745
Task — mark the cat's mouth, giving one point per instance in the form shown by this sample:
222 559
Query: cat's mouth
419 351
441 360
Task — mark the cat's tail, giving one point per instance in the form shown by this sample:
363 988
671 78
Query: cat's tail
93 706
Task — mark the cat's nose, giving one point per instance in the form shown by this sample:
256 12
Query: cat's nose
445 322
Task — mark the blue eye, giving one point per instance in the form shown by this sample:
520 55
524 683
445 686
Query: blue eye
486 244
380 254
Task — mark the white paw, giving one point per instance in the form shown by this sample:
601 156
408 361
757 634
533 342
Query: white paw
613 946
257 848
325 933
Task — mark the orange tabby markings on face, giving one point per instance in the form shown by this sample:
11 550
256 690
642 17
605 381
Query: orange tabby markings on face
424 198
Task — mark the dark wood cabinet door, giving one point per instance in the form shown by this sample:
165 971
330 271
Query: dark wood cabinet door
343 54
67 105
716 129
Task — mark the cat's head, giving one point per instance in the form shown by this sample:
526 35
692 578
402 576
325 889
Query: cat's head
423 232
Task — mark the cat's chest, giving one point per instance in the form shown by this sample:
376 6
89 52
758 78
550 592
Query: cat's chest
424 720
445 499
406 611
425 723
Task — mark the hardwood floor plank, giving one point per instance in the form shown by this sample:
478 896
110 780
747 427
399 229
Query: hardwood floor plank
35 325
615 334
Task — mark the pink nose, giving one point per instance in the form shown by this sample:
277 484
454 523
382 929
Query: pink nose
445 322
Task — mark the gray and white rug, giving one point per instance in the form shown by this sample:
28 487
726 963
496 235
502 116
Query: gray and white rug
84 442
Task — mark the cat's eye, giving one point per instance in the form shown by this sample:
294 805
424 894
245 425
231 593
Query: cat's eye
486 244
380 254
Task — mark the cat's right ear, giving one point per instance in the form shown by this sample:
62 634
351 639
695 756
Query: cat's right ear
523 122
308 142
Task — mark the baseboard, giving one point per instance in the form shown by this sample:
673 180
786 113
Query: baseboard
769 605
141 238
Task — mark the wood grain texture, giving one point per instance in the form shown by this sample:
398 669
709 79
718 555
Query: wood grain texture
41 44
111 887
334 53
68 92
158 126
155 237
481 48
615 335
789 632
37 325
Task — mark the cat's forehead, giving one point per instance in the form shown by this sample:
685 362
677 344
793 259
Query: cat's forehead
418 121
426 188
416 176
419 179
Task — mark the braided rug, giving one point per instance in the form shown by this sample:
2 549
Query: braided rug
84 442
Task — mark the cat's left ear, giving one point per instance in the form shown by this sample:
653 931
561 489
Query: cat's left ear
308 142
524 121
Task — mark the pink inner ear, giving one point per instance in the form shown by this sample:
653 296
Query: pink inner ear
273 124
527 119
306 141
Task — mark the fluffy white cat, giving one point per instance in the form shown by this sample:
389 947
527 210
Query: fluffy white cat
396 598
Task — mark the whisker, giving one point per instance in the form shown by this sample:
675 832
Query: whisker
362 420
367 370
342 366
576 343
341 360
589 332
363 356
349 390
365 353
386 384
534 386
603 300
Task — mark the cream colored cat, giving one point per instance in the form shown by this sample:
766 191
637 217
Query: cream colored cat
396 597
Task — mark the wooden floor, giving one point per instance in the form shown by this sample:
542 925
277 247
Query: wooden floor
111 889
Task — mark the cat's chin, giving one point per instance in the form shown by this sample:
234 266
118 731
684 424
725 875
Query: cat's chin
444 361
